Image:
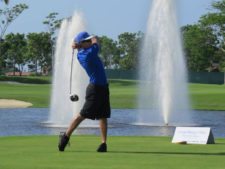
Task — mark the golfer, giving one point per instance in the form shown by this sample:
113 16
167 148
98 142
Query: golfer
97 105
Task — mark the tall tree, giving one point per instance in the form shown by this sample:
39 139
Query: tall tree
5 1
200 47
128 44
215 20
3 49
109 52
16 49
53 24
7 16
39 51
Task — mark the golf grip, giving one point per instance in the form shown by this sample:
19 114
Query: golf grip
71 72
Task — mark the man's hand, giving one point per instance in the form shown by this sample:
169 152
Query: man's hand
94 40
75 45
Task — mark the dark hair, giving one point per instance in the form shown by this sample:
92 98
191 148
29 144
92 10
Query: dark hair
89 40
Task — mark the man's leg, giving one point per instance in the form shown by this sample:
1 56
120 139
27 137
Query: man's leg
64 139
74 124
103 128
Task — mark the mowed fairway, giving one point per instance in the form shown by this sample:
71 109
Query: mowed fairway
38 95
40 152
207 97
123 94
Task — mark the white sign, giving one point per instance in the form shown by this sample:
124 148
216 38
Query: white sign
193 135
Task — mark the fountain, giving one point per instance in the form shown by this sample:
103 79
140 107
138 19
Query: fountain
62 109
163 98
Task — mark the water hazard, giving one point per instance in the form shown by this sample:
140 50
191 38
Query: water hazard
22 122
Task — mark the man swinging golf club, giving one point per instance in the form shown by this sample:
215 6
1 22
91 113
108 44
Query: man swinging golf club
97 105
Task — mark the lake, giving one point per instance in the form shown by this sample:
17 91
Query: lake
32 121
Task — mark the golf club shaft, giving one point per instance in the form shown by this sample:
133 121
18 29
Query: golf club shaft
71 72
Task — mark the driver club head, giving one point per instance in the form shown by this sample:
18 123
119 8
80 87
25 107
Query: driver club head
74 98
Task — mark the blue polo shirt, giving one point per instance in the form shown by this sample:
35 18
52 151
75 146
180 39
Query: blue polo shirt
92 64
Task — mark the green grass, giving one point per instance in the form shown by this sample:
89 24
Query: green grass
123 94
40 152
38 95
207 97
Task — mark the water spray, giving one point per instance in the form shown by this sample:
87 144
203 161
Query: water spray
163 97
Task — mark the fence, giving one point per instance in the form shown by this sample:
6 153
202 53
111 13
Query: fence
207 77
193 77
122 74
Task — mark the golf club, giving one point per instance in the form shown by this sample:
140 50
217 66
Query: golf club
73 97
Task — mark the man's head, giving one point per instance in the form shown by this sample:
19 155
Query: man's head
83 40
82 37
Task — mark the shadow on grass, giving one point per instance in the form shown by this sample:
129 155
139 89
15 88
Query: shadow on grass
169 153
148 152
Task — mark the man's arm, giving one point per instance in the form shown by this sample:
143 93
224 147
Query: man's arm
95 43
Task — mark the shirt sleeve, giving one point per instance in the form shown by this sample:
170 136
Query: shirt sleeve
95 49
93 52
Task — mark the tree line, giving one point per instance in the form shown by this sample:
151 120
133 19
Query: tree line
203 42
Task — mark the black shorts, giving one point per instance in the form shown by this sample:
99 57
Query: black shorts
97 103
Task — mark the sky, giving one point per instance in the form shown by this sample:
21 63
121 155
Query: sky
103 17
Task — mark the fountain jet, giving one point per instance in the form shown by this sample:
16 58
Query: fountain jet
62 109
163 97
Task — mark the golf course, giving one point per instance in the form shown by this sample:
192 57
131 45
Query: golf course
40 152
123 94
156 92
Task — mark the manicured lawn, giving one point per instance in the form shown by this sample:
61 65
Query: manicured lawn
40 152
207 97
123 94
38 95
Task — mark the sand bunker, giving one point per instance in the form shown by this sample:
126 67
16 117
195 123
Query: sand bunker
6 103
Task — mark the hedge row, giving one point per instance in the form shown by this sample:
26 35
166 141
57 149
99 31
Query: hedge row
22 79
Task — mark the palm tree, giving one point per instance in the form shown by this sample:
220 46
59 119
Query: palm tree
6 1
